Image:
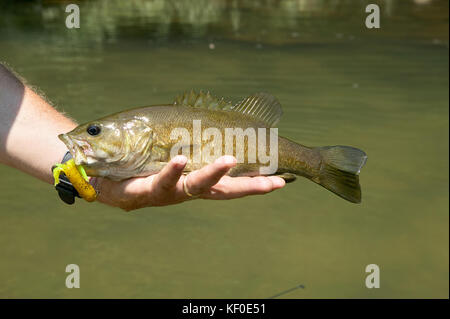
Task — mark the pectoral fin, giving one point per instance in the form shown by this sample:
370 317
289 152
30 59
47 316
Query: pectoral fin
288 177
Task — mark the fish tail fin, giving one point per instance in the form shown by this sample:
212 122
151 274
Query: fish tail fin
340 169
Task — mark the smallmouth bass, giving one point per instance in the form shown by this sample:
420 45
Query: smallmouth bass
141 141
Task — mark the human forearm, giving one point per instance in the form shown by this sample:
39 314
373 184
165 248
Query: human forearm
29 127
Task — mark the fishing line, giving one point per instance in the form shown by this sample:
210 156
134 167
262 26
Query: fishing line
287 291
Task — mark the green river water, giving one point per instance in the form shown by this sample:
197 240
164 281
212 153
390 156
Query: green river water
382 90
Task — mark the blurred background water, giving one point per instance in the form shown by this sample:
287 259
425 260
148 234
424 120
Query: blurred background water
383 90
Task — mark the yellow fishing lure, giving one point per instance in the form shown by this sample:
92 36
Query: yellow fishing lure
77 176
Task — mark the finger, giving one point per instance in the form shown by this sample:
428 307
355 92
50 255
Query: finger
236 187
202 180
168 177
277 182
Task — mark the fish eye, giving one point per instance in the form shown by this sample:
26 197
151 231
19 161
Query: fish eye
93 130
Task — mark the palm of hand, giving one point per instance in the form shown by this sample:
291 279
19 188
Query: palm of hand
166 187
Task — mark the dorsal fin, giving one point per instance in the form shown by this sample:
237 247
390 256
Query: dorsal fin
202 99
261 106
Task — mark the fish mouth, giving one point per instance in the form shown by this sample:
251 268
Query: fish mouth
80 150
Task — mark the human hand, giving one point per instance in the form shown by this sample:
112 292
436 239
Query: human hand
166 187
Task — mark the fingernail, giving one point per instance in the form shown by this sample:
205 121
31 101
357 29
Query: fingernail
227 159
180 159
278 182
